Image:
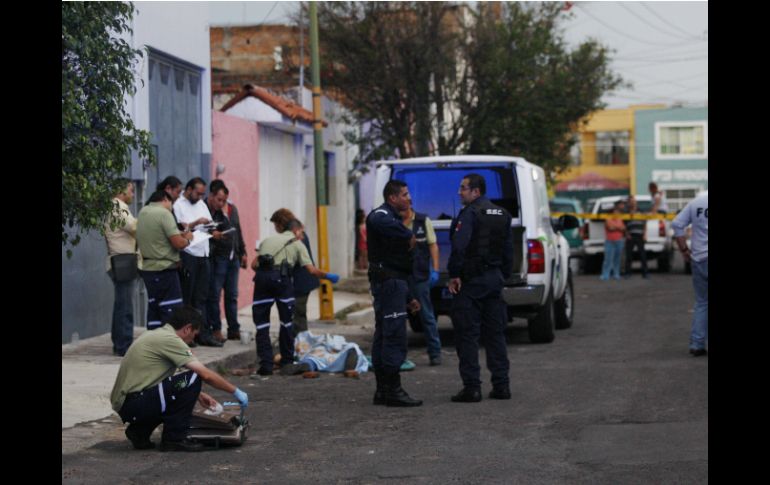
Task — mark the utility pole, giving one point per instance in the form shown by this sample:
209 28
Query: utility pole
325 295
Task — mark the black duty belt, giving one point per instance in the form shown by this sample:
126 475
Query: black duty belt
380 274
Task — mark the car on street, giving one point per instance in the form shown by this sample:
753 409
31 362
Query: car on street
567 205
659 246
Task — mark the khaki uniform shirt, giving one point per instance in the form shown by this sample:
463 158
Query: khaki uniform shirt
155 355
154 226
430 234
123 239
293 253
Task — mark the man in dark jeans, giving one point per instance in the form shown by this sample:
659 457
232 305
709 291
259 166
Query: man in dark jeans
192 211
635 238
228 255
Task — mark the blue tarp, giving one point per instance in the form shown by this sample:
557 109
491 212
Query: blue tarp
327 353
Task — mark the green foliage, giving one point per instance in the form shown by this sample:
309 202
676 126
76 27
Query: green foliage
386 59
97 132
423 78
532 89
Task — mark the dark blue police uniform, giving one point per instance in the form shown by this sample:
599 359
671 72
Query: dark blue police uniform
390 265
482 257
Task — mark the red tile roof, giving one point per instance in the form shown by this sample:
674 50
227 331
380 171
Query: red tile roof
287 108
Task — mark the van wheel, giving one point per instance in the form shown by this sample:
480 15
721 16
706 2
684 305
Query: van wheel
565 306
541 328
415 322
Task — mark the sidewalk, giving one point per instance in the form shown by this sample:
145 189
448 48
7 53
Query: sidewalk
89 368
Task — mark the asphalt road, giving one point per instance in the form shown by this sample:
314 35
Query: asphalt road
615 399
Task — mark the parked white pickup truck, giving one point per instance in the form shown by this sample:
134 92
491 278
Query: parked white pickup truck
659 246
540 288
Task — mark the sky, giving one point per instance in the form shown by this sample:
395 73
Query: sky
660 47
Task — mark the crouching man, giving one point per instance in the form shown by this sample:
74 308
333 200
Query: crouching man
159 381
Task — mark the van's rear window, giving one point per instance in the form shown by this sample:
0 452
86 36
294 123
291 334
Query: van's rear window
434 189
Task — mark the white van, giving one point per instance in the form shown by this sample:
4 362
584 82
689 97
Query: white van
540 288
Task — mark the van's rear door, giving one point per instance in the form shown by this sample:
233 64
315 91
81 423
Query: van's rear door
434 191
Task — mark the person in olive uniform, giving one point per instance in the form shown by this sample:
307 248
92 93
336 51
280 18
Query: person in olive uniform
278 255
159 381
481 259
390 265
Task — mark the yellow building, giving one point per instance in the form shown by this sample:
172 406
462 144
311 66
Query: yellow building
604 158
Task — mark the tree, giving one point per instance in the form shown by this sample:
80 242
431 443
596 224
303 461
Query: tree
390 62
532 89
97 132
427 78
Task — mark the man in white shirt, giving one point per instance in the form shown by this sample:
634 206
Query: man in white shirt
659 203
696 213
191 211
120 234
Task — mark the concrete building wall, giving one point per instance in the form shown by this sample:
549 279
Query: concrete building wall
235 148
606 121
179 29
266 55
673 173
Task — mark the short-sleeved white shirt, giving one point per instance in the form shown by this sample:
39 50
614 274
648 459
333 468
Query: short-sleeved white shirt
187 213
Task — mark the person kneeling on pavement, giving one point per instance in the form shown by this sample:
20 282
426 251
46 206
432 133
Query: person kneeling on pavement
153 388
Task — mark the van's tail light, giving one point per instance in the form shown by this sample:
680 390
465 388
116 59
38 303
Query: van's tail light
661 229
535 256
584 233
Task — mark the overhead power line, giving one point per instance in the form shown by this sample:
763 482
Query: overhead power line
677 36
666 21
678 55
675 81
636 39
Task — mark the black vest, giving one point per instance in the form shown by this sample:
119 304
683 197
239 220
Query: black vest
421 254
490 230
387 253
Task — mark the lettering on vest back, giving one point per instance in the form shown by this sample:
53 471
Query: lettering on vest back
495 212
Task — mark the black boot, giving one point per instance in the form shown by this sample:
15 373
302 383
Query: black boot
379 394
395 395
206 338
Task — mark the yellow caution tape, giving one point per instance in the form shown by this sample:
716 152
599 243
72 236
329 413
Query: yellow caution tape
624 217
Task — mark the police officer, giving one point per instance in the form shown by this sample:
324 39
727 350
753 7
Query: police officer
277 258
390 264
481 259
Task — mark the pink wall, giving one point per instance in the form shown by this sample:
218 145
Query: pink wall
235 146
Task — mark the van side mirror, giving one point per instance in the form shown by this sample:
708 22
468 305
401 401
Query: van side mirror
566 222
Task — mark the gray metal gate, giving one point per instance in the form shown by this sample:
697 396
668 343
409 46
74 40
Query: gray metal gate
175 119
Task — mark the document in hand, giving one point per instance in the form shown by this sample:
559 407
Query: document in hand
199 237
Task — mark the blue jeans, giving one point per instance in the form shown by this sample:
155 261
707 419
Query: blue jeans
421 291
122 315
224 274
700 321
612 251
